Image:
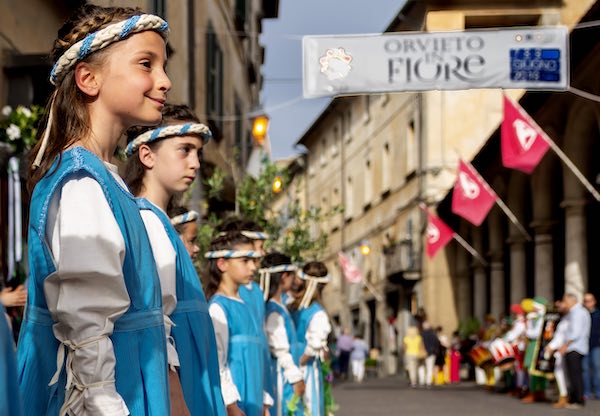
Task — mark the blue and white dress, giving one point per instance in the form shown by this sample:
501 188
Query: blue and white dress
285 356
313 328
94 298
241 354
193 332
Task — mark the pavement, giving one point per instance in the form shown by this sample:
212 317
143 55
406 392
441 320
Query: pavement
393 396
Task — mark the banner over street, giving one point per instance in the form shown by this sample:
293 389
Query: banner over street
520 58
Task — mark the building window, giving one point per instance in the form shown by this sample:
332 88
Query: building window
334 142
241 12
349 202
323 154
368 185
214 82
411 149
159 8
385 168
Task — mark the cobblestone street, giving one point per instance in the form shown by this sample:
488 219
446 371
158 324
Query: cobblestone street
392 396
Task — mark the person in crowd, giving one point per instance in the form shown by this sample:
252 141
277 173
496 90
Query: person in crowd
440 357
185 222
282 337
359 353
432 347
552 348
577 346
162 163
414 351
231 264
313 328
344 345
93 338
533 332
591 361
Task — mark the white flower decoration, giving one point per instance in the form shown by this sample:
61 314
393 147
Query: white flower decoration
13 132
25 111
6 110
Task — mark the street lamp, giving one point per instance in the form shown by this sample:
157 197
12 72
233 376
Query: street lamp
277 185
365 249
260 125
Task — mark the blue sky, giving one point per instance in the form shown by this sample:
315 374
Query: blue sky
282 37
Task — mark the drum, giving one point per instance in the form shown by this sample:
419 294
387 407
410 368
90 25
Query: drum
481 356
503 353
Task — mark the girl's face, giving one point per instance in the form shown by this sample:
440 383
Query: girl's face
239 270
297 285
188 235
133 84
174 163
259 248
286 281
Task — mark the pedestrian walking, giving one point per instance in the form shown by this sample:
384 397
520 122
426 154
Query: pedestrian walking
591 361
552 348
344 345
414 351
576 347
432 347
163 162
282 337
360 350
93 336
313 328
239 337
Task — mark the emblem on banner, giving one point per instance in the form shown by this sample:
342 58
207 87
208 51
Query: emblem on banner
335 64
469 188
433 234
525 134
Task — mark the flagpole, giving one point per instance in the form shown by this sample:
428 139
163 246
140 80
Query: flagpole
561 155
512 218
470 249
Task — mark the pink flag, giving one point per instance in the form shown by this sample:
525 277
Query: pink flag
472 198
523 143
438 234
349 269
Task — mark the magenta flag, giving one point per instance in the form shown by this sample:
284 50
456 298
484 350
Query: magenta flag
438 234
523 144
472 198
351 273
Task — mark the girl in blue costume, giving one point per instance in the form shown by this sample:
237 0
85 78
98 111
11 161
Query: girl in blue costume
185 222
313 328
163 162
10 398
239 336
93 338
278 274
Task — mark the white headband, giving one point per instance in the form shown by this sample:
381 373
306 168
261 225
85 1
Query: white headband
309 277
252 235
265 275
232 254
185 217
104 37
311 287
168 131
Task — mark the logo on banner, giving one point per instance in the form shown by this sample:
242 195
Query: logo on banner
433 234
335 64
469 188
525 134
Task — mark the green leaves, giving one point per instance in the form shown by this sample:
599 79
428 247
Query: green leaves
18 128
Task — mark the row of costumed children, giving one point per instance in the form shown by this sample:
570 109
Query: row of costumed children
116 320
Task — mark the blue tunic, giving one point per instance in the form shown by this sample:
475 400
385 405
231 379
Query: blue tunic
10 398
254 298
139 335
283 391
314 375
245 356
193 332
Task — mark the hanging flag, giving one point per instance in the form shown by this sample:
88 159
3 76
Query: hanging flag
523 142
351 273
472 198
438 234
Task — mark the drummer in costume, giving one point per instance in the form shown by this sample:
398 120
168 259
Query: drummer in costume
558 340
516 338
278 274
231 264
163 162
535 326
313 328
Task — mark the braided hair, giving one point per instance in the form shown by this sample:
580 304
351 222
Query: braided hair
71 120
222 242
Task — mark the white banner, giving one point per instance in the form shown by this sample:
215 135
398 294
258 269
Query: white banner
520 58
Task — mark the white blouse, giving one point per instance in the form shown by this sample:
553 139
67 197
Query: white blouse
230 391
316 335
280 347
165 259
87 293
